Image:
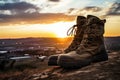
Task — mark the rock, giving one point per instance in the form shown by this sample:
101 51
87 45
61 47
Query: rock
107 70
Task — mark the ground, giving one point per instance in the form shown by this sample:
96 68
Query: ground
107 70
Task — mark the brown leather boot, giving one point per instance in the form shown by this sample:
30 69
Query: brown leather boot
78 35
90 50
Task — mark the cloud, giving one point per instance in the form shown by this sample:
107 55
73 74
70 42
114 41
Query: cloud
34 18
92 8
27 13
70 10
54 0
84 11
18 7
114 9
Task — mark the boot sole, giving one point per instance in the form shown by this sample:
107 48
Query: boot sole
71 63
100 57
67 63
97 58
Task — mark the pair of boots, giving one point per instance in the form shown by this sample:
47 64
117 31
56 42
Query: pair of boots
87 46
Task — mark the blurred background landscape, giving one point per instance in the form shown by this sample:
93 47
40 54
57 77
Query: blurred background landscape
29 55
32 30
22 44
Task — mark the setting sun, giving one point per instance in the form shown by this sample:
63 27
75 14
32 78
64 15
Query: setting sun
61 31
61 35
58 29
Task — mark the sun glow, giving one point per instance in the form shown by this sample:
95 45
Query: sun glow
61 35
59 29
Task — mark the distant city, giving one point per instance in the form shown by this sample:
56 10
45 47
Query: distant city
45 46
14 50
112 43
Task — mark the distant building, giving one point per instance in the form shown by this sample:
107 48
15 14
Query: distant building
49 48
3 52
3 55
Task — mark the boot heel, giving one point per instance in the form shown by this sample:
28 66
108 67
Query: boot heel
100 57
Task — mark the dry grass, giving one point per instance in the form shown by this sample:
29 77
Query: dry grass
23 71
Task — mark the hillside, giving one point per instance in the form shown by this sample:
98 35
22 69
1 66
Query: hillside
107 70
112 43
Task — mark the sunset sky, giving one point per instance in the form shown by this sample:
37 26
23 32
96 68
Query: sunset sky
52 18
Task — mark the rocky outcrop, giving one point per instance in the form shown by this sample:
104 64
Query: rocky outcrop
107 70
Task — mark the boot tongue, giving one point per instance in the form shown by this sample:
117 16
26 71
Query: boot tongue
80 20
91 16
95 26
93 20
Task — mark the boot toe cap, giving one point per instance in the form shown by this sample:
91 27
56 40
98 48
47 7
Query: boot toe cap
52 61
70 62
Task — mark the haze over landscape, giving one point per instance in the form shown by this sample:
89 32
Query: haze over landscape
33 30
52 18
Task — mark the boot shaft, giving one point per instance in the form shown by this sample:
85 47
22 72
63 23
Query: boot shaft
92 41
80 22
94 29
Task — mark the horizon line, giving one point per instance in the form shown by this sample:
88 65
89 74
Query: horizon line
49 37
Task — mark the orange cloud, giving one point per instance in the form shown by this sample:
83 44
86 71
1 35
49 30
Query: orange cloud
35 18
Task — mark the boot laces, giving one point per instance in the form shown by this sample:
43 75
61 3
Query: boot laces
72 31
